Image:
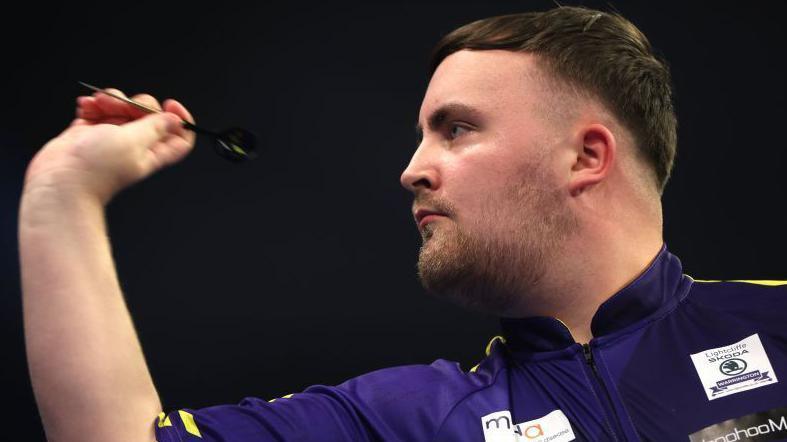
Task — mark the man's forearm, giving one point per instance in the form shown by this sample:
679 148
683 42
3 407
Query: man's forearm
87 368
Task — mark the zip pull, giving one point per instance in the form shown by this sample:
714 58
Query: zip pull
611 418
588 354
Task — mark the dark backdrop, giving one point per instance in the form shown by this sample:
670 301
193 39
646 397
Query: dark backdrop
263 278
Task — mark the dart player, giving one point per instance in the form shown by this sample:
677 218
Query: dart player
545 142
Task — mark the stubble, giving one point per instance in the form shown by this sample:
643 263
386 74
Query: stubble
494 264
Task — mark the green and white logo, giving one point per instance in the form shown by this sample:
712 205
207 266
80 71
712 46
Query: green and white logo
731 367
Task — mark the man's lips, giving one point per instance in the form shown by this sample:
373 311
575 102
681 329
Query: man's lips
427 219
424 216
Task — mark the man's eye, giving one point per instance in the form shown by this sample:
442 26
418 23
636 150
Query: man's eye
453 130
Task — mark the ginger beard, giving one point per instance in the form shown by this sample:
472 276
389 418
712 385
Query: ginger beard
491 265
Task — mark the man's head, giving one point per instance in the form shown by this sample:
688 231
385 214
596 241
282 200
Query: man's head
531 122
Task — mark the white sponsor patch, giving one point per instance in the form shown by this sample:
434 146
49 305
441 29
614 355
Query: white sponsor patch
554 427
734 368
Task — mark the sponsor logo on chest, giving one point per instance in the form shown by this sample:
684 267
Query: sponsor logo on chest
758 427
734 368
554 427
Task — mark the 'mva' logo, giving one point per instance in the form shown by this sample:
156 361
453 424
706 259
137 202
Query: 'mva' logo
554 427
530 431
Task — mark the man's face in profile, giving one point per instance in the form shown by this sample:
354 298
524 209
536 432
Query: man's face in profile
487 161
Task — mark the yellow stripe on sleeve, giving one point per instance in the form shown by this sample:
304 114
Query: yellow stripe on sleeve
163 420
188 423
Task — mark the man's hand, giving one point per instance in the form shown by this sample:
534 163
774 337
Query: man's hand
87 368
111 145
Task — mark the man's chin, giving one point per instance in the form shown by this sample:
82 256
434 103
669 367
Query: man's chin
453 267
445 271
428 231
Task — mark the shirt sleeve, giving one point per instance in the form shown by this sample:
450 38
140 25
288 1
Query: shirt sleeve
403 403
319 413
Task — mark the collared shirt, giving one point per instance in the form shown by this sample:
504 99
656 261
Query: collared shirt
672 358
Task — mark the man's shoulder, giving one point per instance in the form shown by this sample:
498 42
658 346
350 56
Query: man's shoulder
390 400
752 299
442 377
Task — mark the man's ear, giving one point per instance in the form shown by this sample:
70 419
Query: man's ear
594 158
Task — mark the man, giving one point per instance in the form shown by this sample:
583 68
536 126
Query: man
546 141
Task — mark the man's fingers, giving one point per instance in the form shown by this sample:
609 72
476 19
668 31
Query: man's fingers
103 107
174 106
147 100
87 108
112 106
178 109
88 111
171 150
153 128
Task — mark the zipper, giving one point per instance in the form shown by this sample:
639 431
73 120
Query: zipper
609 404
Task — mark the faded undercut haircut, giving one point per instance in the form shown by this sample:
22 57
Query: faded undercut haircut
600 53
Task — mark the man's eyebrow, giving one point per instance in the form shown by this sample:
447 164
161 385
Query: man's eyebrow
439 115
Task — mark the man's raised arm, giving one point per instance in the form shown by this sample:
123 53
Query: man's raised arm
86 364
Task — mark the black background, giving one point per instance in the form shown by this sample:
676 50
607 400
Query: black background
264 278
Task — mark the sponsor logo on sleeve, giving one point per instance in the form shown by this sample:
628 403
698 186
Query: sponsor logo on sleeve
554 427
734 368
758 427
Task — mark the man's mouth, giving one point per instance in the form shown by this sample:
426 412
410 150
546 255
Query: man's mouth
425 216
427 219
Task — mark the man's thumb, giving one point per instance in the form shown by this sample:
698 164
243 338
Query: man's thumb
152 128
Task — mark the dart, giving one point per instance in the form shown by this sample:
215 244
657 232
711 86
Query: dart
234 144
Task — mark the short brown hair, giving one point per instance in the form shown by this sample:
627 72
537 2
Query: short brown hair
601 53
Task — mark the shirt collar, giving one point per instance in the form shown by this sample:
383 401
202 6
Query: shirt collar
656 290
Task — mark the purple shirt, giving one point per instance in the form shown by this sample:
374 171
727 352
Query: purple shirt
671 359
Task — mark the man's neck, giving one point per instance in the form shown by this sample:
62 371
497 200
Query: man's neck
609 270
582 278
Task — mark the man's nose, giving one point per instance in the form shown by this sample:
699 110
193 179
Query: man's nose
421 172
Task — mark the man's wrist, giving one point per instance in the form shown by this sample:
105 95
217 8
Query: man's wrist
51 200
